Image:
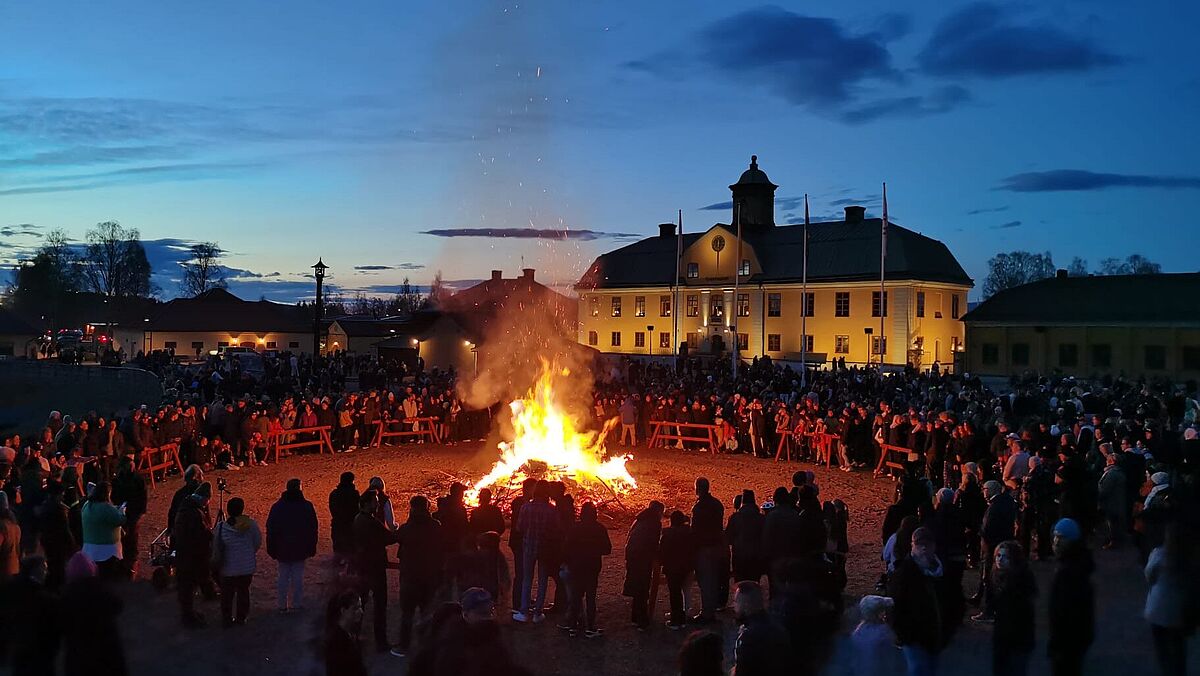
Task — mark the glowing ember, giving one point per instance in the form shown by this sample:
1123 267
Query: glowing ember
548 444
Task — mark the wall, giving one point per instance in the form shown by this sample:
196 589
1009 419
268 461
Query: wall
1127 347
29 390
156 340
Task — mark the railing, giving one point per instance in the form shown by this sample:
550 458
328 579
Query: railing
159 459
662 432
420 428
280 440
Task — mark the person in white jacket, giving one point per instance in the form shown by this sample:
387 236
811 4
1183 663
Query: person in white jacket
235 548
1166 603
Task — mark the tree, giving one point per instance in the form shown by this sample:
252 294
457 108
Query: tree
1008 270
1078 267
202 271
1135 264
44 282
114 262
408 299
438 293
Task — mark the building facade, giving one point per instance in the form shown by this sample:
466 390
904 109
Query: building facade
1131 325
676 292
217 319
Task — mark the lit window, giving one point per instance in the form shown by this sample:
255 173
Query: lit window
616 306
593 338
743 341
772 342
878 344
693 270
639 306
595 304
841 344
743 305
664 306
809 301
639 339
716 307
693 306
807 342
616 339
664 340
745 269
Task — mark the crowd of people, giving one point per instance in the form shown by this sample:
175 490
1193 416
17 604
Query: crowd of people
987 482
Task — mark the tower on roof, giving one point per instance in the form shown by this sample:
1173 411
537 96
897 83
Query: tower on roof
756 195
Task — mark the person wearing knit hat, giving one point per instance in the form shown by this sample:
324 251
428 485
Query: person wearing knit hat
1072 615
80 566
873 641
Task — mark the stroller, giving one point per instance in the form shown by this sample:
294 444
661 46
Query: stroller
162 559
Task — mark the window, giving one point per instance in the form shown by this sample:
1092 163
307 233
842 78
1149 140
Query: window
841 305
743 305
693 306
639 339
1068 354
955 344
743 341
615 340
170 345
693 270
595 306
1101 357
223 343
807 343
878 344
937 313
841 344
716 307
593 338
1191 357
744 271
271 345
198 345
1020 354
809 302
664 340
772 342
774 304
664 306
991 354
1156 357
616 306
954 306
920 303
294 344
875 304
639 306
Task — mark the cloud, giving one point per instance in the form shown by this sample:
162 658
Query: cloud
1061 180
88 154
149 174
402 266
987 210
21 230
849 201
1005 226
808 61
529 233
987 40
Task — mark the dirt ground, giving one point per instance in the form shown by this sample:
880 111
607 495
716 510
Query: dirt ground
274 644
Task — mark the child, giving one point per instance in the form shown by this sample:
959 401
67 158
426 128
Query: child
873 644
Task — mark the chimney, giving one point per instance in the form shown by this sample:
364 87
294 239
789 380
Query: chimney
666 229
1060 274
527 274
497 275
855 214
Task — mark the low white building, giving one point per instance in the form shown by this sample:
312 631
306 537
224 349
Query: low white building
217 318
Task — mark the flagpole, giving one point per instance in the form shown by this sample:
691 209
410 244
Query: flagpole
737 269
882 267
804 304
675 290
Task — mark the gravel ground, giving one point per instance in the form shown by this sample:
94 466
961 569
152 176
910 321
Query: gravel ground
274 644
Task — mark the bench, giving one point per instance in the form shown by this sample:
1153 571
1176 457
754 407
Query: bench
281 440
420 428
159 459
698 432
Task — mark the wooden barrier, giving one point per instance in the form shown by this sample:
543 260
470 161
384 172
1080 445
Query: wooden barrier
892 457
280 440
786 441
822 442
681 433
411 427
159 459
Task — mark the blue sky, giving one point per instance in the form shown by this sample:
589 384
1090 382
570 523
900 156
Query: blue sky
377 134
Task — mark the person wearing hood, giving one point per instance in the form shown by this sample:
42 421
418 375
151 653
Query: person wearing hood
386 513
129 490
88 622
921 599
1072 612
641 549
343 508
236 541
422 552
193 476
192 539
587 544
291 541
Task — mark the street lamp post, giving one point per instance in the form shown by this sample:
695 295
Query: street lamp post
318 272
650 339
867 331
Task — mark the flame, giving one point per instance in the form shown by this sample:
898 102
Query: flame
549 444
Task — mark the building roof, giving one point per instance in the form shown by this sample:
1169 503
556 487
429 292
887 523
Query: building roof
420 326
219 310
1163 299
369 327
754 175
838 251
12 325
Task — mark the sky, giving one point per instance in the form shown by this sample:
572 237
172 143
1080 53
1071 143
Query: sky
398 140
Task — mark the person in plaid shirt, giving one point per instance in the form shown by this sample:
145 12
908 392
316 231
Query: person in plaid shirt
537 523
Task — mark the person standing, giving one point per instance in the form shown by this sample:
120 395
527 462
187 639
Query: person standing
1013 607
343 509
918 591
641 548
88 621
999 525
1072 615
422 551
762 647
744 533
102 523
192 540
1114 501
628 412
237 540
677 552
516 543
587 543
291 541
193 476
343 622
538 523
58 542
487 516
371 540
1166 602
708 533
129 490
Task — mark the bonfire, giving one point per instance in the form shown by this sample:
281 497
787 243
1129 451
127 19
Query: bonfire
549 443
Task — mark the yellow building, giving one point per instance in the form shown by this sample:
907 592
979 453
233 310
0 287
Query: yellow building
637 300
1132 325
